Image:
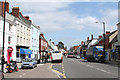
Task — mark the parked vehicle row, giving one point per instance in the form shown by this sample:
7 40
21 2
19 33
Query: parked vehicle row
71 55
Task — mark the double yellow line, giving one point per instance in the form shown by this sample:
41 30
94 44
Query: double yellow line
58 71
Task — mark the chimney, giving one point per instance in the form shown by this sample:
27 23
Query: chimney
92 37
2 6
42 34
103 35
15 11
100 37
53 42
88 38
26 17
107 32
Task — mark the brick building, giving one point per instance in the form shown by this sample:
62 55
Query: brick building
43 45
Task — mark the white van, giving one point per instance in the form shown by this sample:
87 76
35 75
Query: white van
56 56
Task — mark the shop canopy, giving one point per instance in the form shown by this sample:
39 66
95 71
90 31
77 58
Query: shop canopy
25 51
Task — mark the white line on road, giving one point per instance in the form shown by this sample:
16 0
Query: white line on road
102 70
92 67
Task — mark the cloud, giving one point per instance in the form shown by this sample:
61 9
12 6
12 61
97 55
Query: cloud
51 18
64 0
110 18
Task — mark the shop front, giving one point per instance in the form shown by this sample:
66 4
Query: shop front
25 53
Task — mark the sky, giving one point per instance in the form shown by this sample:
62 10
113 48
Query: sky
70 21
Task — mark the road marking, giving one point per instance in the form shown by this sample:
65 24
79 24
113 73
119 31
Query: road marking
102 70
57 72
92 67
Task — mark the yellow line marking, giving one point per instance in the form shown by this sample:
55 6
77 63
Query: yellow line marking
57 71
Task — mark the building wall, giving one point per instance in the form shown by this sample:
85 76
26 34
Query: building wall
43 45
118 28
35 41
8 33
107 44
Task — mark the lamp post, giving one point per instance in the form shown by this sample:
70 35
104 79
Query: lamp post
3 59
103 33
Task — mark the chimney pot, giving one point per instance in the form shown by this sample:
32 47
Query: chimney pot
2 6
100 37
92 37
26 17
88 38
15 11
107 32
103 35
42 34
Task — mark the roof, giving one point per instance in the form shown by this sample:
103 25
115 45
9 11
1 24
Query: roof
43 38
92 42
113 36
106 36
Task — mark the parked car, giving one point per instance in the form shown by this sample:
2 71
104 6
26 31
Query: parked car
56 56
29 63
70 55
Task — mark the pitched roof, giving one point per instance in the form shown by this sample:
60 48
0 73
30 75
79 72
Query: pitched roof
106 36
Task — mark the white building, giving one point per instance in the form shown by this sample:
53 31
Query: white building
10 36
23 32
35 41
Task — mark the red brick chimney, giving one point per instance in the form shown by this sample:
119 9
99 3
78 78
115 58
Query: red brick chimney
26 17
100 37
2 5
103 34
15 11
92 37
88 38
107 32
41 34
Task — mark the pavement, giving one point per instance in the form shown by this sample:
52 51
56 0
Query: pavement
42 71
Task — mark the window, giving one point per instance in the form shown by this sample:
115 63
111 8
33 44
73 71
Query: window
10 27
21 40
32 30
24 40
9 39
24 29
17 39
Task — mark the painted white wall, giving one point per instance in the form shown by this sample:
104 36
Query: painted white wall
35 41
12 34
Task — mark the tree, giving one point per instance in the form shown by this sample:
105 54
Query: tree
60 45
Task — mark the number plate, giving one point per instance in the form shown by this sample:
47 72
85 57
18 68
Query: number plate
100 55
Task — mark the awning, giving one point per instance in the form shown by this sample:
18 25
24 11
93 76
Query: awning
25 51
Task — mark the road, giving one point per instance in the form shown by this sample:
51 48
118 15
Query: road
70 68
78 68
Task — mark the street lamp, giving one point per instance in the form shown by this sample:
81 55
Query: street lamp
103 33
3 41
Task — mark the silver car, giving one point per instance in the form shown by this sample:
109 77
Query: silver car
29 63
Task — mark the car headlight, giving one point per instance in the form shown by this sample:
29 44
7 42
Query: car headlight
30 64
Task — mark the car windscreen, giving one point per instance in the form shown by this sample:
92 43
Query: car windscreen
56 52
70 53
28 60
